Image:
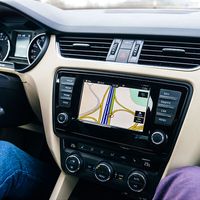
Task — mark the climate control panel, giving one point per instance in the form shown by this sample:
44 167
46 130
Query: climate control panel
95 168
133 173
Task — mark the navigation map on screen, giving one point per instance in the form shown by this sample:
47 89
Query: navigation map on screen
109 105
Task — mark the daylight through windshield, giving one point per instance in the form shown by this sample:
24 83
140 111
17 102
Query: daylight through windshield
165 4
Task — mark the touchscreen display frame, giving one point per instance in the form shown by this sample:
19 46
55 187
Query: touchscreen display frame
76 128
114 105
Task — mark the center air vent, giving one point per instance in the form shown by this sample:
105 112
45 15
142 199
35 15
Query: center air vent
181 53
84 47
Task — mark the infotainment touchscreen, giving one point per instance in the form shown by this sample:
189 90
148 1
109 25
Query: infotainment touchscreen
114 106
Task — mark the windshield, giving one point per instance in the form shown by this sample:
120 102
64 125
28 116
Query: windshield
163 4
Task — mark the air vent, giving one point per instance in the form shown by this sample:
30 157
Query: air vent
171 53
84 47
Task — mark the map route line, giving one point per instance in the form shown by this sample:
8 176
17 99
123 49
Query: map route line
135 127
92 118
99 107
122 110
115 98
111 108
104 119
98 101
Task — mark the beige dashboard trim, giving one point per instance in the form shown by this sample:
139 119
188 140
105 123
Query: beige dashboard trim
38 84
63 188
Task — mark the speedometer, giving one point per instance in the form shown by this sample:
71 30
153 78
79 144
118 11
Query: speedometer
4 46
36 47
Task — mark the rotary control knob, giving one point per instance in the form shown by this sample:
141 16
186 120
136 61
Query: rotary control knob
62 118
158 138
137 181
73 163
103 172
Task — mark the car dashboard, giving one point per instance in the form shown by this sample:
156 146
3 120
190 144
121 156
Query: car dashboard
21 41
117 90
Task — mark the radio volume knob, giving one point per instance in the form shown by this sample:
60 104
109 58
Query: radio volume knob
62 118
158 138
73 163
103 172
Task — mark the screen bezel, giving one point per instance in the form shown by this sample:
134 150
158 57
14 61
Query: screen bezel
124 137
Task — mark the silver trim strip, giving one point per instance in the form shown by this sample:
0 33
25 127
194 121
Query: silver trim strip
162 138
78 160
27 53
143 178
8 41
109 171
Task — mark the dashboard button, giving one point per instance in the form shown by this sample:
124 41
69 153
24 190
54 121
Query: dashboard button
173 104
123 158
163 121
65 103
136 49
160 114
170 94
73 145
127 44
114 50
172 98
120 177
67 80
158 138
166 111
161 105
103 172
73 163
62 118
123 55
137 181
90 167
112 154
66 88
65 96
83 147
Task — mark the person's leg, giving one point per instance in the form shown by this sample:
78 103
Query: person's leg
182 184
22 176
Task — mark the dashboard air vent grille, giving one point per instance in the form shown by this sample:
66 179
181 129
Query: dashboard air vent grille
84 47
171 53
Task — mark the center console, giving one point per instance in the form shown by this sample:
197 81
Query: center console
118 130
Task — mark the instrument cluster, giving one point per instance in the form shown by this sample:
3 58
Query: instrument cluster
21 50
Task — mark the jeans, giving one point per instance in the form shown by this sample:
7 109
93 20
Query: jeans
22 176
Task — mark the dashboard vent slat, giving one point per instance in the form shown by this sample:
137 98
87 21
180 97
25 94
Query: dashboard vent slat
180 53
84 47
